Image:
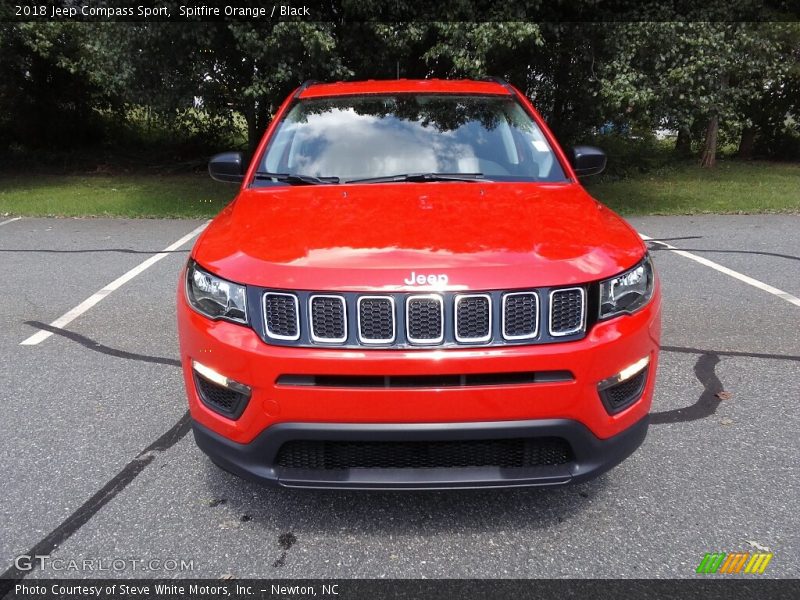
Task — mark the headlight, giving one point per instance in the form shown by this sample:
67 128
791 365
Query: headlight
215 297
628 292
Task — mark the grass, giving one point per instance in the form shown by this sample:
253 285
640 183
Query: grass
137 195
732 187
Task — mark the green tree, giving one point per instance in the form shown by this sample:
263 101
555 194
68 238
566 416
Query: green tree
771 119
683 74
229 67
555 64
48 99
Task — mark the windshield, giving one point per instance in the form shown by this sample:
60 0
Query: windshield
373 137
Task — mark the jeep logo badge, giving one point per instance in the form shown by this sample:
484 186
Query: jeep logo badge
422 279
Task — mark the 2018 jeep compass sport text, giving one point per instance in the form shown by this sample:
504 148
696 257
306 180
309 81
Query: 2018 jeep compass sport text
412 290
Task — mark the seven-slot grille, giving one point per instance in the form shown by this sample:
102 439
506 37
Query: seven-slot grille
401 319
566 311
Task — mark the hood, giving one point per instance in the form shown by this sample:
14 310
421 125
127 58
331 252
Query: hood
457 236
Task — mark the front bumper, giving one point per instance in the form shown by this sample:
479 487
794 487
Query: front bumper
278 411
256 460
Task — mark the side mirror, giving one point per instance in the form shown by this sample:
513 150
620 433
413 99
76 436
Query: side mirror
587 160
227 167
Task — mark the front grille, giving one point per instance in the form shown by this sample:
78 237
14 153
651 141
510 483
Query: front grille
376 319
520 315
223 400
328 319
282 316
621 395
473 318
424 319
419 321
504 453
566 311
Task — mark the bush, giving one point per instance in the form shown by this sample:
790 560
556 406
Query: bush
633 154
783 145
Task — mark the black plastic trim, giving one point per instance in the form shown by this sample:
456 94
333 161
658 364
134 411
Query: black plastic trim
611 409
256 460
303 87
227 167
425 381
234 414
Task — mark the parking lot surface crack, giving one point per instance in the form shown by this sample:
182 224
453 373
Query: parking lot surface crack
107 493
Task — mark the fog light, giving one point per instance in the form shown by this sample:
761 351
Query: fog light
220 393
623 389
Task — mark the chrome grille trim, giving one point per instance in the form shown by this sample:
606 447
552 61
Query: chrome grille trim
371 317
426 341
582 324
277 336
371 341
313 335
535 332
472 340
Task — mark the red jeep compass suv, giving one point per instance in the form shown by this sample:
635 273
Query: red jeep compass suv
412 290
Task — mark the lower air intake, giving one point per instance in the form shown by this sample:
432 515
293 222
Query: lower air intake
505 453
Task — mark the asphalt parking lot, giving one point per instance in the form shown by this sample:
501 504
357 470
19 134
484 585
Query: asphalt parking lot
97 463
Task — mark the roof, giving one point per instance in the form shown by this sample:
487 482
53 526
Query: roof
400 86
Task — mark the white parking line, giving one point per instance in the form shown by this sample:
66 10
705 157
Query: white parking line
73 314
735 274
10 221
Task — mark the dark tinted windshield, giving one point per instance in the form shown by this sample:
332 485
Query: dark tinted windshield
360 137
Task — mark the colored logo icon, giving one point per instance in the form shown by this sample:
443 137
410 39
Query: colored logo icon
735 562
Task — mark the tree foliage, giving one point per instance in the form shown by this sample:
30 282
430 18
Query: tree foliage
702 79
689 75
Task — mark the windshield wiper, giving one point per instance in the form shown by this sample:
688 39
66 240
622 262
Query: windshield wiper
296 179
422 178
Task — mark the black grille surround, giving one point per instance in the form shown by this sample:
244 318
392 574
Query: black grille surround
433 325
327 455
